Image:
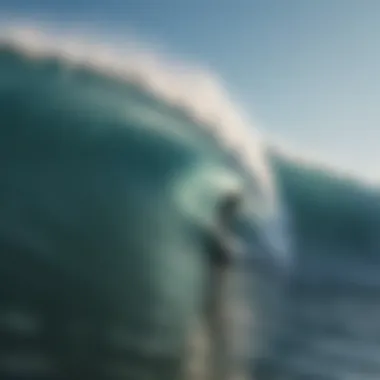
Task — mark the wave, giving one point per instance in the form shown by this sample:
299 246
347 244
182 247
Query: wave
331 328
334 218
181 133
329 206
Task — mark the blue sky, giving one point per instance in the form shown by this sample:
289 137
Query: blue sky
308 70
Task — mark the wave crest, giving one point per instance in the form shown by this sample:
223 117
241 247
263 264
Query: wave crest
196 92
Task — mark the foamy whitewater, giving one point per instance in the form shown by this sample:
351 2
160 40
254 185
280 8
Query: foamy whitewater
328 326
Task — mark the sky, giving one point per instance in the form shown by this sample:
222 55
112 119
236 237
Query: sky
307 70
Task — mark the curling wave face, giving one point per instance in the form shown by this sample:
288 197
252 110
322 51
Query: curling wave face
111 194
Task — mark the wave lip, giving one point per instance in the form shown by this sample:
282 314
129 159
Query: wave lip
195 91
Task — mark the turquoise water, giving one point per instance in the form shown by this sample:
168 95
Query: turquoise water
111 200
157 176
332 329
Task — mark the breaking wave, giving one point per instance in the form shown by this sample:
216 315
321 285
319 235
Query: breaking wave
336 218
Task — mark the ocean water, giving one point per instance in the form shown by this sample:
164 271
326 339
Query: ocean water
332 329
313 295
